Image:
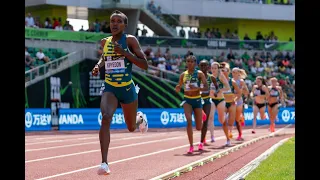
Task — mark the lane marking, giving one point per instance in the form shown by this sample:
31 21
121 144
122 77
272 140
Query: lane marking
244 171
95 142
84 138
131 158
215 155
98 150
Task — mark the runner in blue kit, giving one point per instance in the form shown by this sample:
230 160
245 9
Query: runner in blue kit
120 51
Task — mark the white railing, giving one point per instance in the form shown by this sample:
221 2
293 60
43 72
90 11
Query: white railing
170 29
163 74
46 70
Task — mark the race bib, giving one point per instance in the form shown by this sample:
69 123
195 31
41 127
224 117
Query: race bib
117 64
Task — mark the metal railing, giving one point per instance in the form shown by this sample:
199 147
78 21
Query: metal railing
46 70
156 72
164 12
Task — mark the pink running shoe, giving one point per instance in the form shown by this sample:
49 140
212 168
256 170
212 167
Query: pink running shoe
239 138
190 150
200 147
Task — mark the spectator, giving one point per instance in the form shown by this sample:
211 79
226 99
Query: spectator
167 54
58 27
162 64
144 31
238 63
158 12
228 34
259 36
218 34
246 37
230 56
28 59
91 28
221 58
245 56
174 67
81 28
30 20
152 7
97 26
67 26
288 56
263 56
182 33
292 71
55 23
285 62
42 57
270 63
235 35
48 24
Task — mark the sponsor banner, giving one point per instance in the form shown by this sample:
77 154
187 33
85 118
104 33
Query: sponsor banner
285 116
37 119
216 43
63 35
90 119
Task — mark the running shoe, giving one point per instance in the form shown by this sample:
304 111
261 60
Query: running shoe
228 143
190 150
239 138
200 147
104 169
212 139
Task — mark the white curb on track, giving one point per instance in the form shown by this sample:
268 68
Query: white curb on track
201 162
243 172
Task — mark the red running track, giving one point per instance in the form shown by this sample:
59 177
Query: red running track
131 155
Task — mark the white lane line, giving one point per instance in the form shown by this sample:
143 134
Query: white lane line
95 142
58 137
244 171
98 150
83 138
167 174
131 158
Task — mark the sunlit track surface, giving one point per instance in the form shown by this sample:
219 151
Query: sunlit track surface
77 156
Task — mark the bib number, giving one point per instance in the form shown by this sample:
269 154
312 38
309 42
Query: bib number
116 66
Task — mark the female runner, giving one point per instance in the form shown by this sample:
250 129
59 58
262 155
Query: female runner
218 86
260 93
192 98
274 100
239 75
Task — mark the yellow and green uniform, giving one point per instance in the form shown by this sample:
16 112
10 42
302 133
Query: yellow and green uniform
207 99
194 101
118 71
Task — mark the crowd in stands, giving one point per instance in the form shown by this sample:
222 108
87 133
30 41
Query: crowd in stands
31 60
154 9
215 33
55 23
281 2
281 66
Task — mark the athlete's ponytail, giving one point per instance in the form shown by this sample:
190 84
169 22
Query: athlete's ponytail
242 74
